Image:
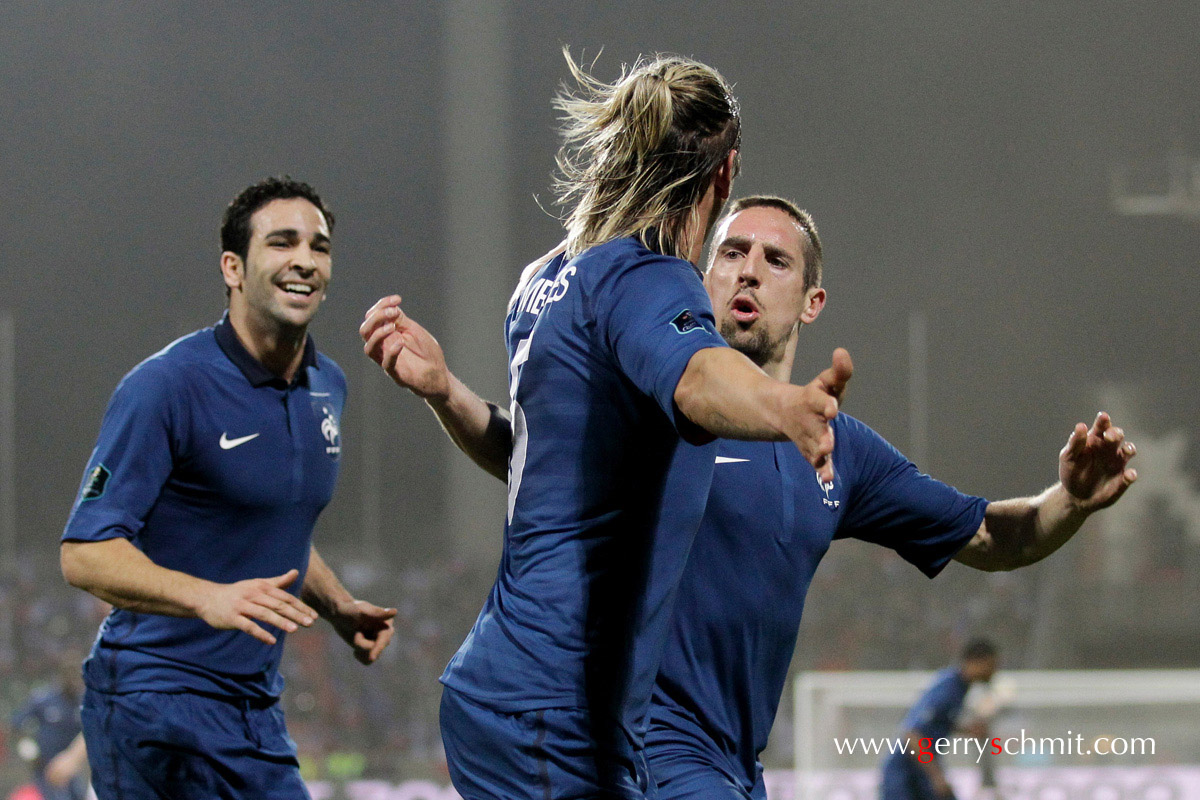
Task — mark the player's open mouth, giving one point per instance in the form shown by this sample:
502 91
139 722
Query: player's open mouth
743 309
297 289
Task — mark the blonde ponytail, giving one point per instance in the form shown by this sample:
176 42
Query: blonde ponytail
639 153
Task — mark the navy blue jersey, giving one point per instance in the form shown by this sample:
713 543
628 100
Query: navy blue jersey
212 466
604 495
768 523
936 713
51 716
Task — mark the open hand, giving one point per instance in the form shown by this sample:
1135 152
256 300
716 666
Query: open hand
817 406
230 606
1093 466
408 353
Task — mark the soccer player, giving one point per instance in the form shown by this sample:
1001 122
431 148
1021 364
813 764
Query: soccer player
769 520
618 382
195 521
918 774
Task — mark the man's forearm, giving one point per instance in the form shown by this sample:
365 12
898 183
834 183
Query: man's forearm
322 590
480 429
1022 531
117 572
724 393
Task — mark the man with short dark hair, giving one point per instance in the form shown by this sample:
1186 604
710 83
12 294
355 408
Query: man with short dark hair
918 773
195 521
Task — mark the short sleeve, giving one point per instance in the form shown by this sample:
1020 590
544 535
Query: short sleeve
936 713
932 713
895 505
131 462
654 316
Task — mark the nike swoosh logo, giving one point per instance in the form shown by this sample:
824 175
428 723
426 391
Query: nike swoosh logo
229 444
728 460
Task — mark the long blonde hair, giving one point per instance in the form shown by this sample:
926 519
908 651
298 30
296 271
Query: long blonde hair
639 153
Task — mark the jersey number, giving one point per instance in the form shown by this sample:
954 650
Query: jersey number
516 462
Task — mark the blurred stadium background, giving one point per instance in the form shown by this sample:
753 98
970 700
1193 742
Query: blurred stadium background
1010 199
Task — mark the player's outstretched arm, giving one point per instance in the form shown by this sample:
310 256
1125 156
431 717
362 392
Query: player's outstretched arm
367 628
724 393
117 572
412 357
1093 472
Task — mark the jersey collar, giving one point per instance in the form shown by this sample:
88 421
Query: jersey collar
251 367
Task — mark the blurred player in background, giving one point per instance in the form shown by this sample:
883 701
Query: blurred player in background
769 519
618 381
195 521
48 730
918 774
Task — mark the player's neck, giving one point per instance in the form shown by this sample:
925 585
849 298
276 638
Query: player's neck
702 218
693 243
780 366
278 349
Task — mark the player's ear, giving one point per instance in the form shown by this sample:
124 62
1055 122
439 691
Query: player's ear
723 180
814 301
233 270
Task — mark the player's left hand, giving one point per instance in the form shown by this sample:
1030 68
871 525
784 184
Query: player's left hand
1094 465
366 628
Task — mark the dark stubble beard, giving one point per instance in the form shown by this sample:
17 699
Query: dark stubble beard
753 342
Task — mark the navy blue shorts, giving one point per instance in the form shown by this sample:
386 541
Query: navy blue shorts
546 754
160 746
682 773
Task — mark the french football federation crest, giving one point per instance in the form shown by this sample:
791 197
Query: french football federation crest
330 430
829 490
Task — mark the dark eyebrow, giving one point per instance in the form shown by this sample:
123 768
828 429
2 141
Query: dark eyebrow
292 235
777 253
744 243
741 242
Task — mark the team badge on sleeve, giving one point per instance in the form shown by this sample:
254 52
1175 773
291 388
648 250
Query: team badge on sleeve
96 483
685 321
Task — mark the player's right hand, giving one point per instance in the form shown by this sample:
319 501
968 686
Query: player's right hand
237 606
813 412
408 353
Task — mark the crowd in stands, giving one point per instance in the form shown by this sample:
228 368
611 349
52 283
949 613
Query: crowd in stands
867 609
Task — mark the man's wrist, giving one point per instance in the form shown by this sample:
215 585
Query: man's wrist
194 594
442 399
343 607
1079 507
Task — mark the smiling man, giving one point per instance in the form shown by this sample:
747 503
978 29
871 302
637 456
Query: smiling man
195 521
